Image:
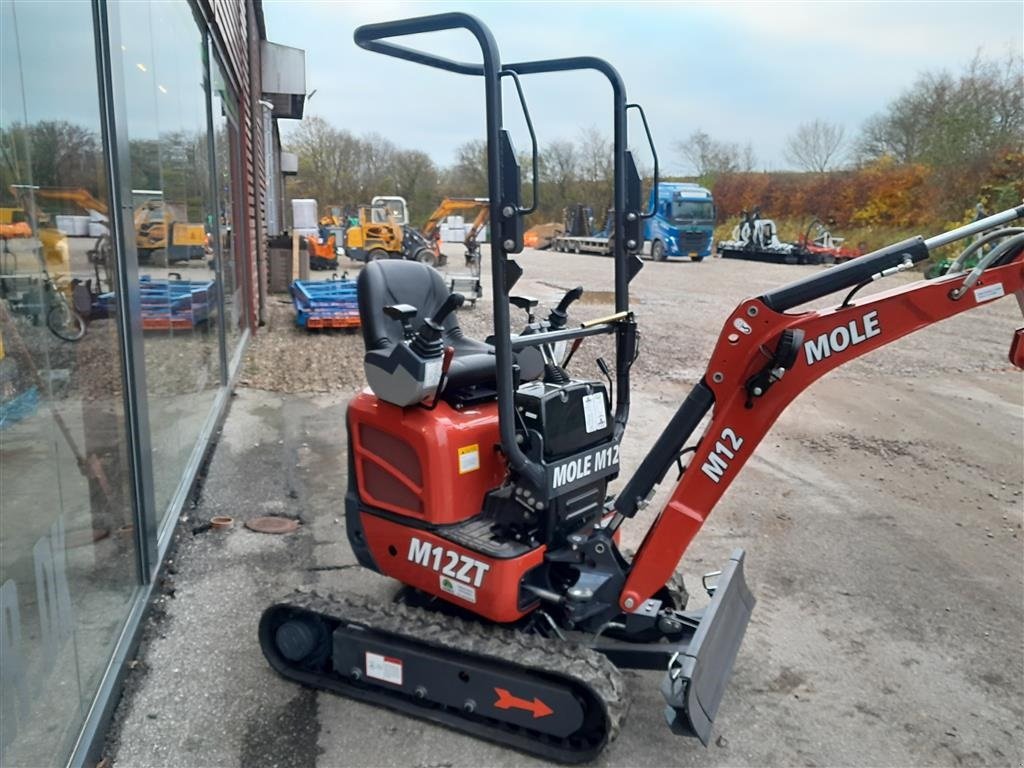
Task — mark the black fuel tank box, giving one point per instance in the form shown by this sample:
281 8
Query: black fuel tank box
571 417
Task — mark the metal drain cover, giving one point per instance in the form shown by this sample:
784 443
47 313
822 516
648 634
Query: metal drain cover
272 524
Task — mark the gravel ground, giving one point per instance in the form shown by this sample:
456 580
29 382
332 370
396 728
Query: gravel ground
882 519
679 306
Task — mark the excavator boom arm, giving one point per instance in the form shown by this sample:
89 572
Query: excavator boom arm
83 198
478 223
763 360
451 205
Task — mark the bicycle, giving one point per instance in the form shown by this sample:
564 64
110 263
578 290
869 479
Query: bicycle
61 318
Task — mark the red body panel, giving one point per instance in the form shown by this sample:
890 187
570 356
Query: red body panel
422 463
486 586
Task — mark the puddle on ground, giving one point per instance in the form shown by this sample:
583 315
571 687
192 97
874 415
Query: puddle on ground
589 296
597 297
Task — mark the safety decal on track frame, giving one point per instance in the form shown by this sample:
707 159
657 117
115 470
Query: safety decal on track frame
385 668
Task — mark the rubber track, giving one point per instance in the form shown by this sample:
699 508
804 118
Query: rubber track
533 652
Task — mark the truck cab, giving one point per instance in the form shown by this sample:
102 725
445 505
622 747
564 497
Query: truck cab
683 224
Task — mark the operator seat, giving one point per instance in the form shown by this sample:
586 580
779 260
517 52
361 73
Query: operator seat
392 282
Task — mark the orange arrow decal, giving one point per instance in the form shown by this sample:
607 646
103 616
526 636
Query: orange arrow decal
507 701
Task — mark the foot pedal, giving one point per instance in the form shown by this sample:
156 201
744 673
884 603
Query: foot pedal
695 682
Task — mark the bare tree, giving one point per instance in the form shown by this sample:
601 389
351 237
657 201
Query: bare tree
595 168
376 167
815 146
709 157
559 167
747 158
415 179
50 153
951 121
594 154
468 176
329 162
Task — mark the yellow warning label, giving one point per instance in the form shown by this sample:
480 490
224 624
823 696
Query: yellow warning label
469 458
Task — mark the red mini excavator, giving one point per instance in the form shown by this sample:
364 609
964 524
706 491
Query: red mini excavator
479 469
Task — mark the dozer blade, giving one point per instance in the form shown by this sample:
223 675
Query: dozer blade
697 676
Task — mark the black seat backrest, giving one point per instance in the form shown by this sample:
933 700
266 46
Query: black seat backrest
386 283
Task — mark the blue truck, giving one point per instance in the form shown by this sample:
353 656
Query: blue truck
683 224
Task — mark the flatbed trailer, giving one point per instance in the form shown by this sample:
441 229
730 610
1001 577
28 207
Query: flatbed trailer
602 246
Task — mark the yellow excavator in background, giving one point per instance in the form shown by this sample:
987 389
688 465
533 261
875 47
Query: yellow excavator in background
153 219
452 205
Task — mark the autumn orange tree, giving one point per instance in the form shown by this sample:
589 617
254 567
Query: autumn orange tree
945 144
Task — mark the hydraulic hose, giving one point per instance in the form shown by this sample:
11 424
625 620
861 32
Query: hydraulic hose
991 258
960 260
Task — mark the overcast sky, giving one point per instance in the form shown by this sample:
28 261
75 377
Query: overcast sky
740 71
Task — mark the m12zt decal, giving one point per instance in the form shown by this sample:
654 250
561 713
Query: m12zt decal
462 568
725 450
853 333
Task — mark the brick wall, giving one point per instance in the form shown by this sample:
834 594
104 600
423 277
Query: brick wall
235 27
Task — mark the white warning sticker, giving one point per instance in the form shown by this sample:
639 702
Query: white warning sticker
594 412
432 370
989 292
469 458
460 590
384 668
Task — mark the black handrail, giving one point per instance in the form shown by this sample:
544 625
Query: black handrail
618 152
619 253
371 37
654 153
533 139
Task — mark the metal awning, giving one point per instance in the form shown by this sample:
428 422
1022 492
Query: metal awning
284 79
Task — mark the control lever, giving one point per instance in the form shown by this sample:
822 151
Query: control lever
453 302
560 314
427 343
525 303
404 313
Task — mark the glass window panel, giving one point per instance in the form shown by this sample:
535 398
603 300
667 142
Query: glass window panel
164 60
67 557
225 132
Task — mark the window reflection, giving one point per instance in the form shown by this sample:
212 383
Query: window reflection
175 223
225 132
67 562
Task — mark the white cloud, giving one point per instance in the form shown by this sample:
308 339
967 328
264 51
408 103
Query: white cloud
742 71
